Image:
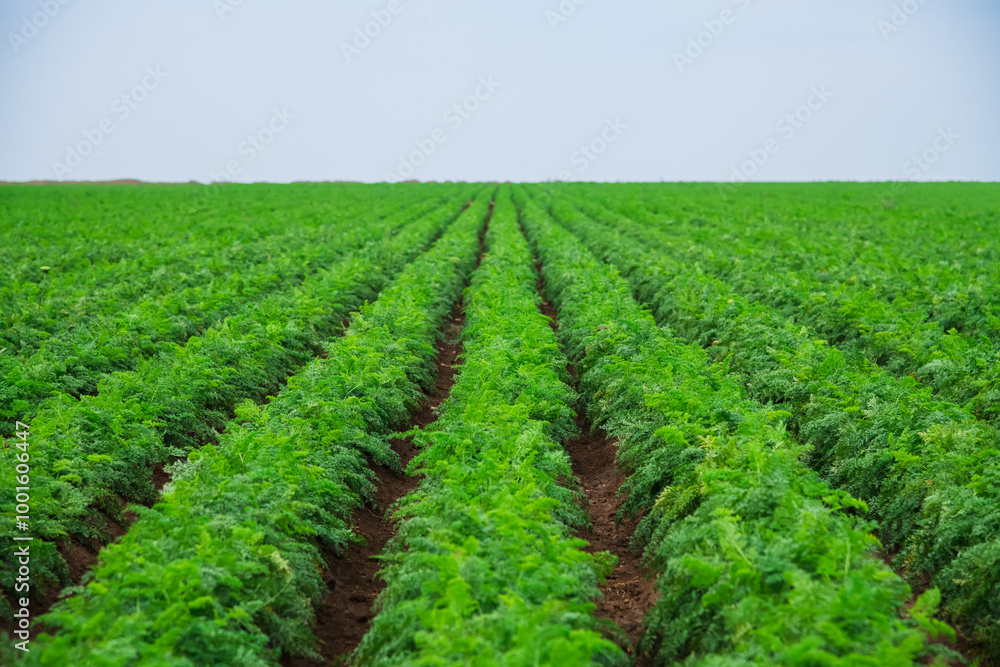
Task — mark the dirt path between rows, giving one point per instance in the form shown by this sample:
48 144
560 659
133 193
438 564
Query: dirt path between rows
627 593
343 617
81 554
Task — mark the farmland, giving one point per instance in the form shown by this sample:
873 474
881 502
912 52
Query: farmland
500 424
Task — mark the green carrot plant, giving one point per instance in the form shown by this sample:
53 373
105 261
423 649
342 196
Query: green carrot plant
934 247
852 309
757 560
92 455
225 570
483 570
926 469
71 349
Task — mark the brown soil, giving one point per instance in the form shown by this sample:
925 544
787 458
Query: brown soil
81 555
343 617
627 594
160 476
345 613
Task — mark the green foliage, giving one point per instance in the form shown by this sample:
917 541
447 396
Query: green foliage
818 367
484 570
226 569
90 455
916 299
927 469
72 328
757 560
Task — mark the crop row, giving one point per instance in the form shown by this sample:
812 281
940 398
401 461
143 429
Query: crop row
101 236
91 455
928 471
942 257
48 292
226 569
69 351
484 570
62 299
899 330
757 560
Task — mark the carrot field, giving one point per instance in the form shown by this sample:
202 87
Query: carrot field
500 424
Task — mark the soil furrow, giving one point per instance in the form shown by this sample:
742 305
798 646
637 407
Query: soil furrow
627 593
81 554
343 617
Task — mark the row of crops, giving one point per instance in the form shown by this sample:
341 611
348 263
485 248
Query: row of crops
802 388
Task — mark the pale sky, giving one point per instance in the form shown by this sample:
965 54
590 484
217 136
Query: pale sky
262 90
